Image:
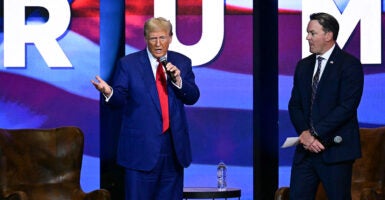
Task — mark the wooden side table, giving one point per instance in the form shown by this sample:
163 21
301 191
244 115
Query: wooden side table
210 193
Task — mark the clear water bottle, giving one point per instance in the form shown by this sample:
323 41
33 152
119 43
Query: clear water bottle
221 176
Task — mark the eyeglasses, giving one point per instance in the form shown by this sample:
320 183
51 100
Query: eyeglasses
161 39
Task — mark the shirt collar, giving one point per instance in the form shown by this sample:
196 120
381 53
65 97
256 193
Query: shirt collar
327 54
151 57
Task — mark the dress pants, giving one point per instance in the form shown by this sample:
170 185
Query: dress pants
306 175
165 181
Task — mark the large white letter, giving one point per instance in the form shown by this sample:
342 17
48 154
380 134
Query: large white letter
17 33
212 29
368 12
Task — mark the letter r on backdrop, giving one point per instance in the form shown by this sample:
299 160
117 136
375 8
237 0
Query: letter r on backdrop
17 33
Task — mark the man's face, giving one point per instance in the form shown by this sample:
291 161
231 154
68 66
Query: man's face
158 42
318 39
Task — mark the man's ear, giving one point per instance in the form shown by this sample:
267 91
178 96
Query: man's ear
329 36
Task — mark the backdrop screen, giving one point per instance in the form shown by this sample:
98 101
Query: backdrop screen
49 52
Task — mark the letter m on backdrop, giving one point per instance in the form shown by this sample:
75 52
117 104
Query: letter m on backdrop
349 14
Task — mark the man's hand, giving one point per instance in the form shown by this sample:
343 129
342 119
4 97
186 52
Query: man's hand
102 86
310 143
175 73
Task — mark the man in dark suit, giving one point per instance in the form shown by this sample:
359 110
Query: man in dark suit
326 93
154 144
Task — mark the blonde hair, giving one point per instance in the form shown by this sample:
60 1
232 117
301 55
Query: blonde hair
158 23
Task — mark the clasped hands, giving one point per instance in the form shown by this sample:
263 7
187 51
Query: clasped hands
310 143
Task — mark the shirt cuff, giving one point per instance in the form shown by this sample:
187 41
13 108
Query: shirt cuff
107 98
314 133
181 83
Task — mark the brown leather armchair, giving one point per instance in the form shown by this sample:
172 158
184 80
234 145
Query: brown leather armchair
43 164
368 181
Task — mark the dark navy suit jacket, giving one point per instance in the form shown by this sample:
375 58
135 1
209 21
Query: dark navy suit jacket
134 90
335 106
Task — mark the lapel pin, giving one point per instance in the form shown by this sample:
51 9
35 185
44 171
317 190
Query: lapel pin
331 62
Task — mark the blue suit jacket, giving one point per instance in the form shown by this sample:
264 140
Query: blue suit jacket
134 89
335 107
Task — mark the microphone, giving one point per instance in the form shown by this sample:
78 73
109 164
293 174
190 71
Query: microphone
164 62
337 139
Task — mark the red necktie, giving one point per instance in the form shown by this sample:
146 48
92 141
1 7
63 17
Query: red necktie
161 85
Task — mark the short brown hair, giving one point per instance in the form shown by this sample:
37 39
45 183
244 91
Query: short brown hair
157 23
328 23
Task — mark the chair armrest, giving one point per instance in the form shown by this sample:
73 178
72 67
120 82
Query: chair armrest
101 194
282 193
368 194
17 195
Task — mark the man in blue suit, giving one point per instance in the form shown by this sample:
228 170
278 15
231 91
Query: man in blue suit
326 93
154 144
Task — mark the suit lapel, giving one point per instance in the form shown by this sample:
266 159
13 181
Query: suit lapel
329 67
170 92
309 74
148 78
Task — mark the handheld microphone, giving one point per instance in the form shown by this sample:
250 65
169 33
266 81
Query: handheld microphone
164 62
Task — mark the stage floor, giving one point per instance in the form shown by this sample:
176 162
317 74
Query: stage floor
195 176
